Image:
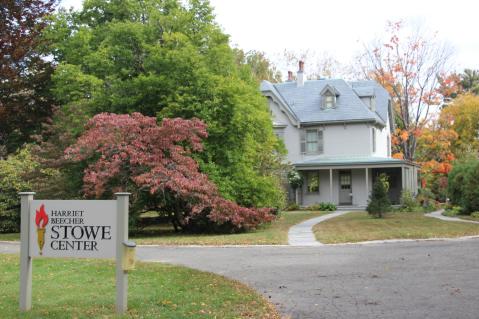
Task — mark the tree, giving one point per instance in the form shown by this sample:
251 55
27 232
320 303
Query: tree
408 67
318 64
464 185
25 99
132 153
470 81
462 116
260 66
14 171
170 59
436 156
379 202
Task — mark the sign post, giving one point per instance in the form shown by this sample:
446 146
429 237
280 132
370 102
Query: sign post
75 229
25 258
121 239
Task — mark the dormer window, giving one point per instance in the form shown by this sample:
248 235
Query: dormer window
329 100
328 97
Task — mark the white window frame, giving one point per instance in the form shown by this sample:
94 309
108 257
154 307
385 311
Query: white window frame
319 141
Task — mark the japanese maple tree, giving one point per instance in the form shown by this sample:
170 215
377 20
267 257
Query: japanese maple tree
132 152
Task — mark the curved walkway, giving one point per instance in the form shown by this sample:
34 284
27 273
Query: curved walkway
302 234
438 214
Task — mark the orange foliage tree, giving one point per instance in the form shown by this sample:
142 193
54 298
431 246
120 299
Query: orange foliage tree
410 67
434 153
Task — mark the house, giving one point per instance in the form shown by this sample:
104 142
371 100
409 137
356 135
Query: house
338 136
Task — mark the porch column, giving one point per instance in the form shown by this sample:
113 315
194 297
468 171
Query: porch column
330 185
402 178
367 182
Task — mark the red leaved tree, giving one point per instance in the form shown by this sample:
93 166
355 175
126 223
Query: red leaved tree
133 153
25 97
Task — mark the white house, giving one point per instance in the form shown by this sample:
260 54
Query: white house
338 135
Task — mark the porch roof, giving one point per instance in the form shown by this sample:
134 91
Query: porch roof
347 161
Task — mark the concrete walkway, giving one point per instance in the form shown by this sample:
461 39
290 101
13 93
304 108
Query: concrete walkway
302 233
438 214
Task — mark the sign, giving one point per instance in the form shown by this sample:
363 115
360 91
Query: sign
76 229
73 228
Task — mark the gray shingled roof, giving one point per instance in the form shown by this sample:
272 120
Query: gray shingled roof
382 96
305 101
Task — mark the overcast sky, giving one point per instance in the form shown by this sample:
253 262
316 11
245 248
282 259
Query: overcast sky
341 27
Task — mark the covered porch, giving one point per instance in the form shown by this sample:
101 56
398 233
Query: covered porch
348 182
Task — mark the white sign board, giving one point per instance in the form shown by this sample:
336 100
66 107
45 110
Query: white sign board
73 228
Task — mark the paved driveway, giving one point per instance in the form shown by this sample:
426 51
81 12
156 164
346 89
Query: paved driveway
395 280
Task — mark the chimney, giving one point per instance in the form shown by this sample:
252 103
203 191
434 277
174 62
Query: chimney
290 76
300 74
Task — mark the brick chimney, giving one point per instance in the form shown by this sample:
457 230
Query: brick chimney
300 74
290 76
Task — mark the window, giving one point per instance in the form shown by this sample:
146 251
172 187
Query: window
313 182
312 141
373 130
345 181
329 100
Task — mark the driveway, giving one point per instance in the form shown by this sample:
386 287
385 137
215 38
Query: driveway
395 280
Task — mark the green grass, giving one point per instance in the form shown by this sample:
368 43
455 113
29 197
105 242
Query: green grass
10 236
359 226
65 288
274 234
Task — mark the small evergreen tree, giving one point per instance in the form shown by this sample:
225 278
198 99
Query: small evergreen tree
379 200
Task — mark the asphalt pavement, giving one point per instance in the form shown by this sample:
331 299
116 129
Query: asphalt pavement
424 279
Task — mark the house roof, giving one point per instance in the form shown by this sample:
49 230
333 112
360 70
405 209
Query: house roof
372 88
349 161
304 101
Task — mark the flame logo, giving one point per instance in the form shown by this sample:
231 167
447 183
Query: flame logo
41 217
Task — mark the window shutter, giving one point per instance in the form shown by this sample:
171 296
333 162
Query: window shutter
320 142
302 135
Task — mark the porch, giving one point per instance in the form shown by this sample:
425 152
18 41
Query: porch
348 182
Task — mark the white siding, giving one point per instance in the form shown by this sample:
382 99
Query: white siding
339 139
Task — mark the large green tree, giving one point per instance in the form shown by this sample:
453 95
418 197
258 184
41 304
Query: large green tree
168 58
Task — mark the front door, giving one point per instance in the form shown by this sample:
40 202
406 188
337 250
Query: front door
345 190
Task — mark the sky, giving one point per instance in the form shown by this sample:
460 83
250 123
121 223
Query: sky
340 28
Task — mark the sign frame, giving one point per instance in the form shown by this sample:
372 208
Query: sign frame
26 257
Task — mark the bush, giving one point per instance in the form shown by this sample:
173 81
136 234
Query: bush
12 181
379 200
124 154
292 206
475 214
295 179
408 202
463 185
453 211
425 197
326 207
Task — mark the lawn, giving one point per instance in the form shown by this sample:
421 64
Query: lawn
65 288
359 226
274 234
